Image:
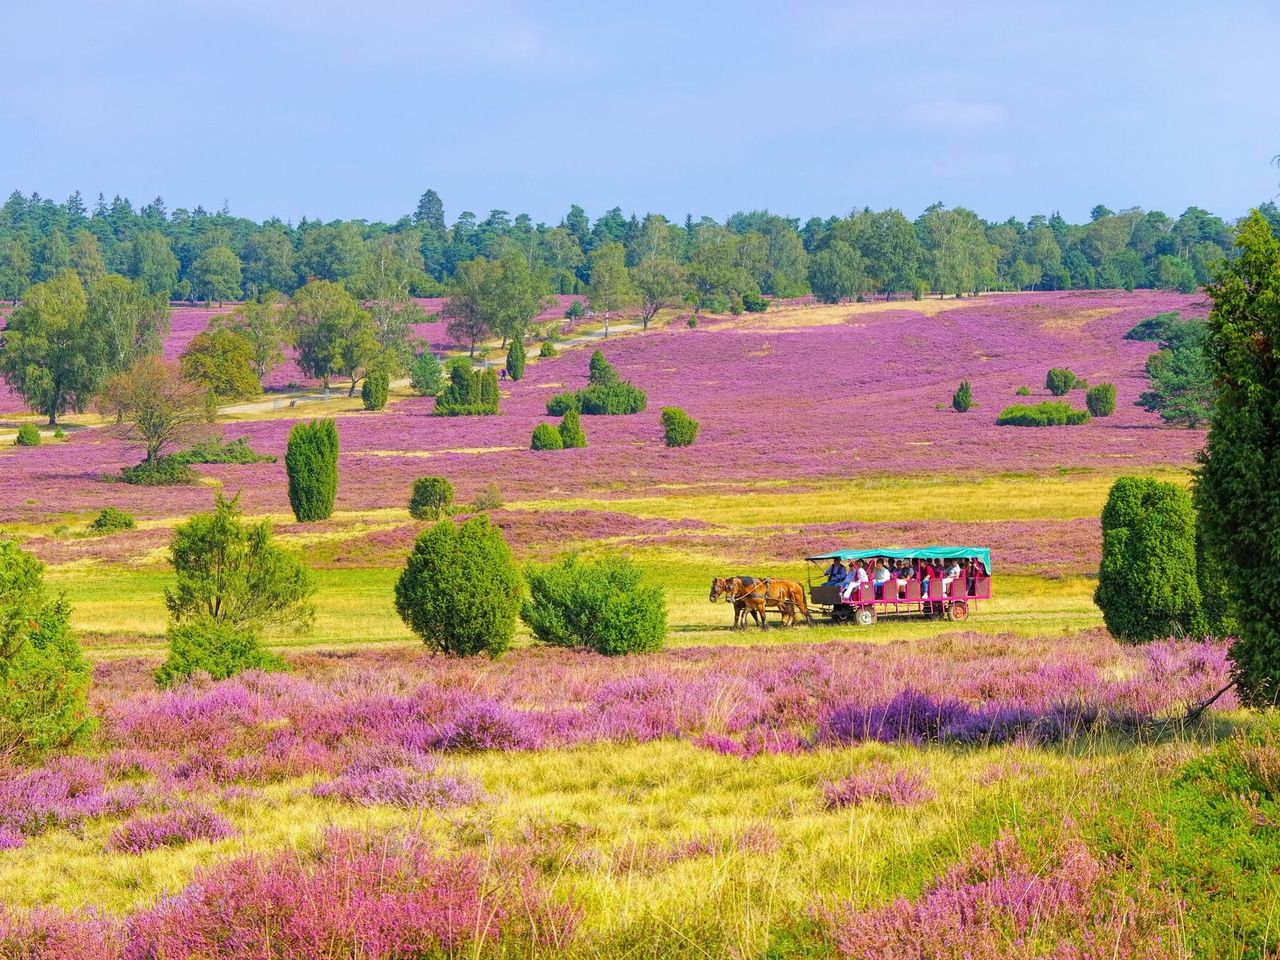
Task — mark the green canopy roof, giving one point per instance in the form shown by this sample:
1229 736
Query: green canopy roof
914 553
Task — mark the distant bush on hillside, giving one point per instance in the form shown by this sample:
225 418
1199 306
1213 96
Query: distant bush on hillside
373 392
469 393
431 498
678 428
1101 400
111 520
311 462
547 350
546 437
1060 381
1181 386
571 432
962 399
171 471
1023 391
219 649
754 303
426 376
215 451
1154 328
606 394
516 358
489 498
1050 413
28 436
600 605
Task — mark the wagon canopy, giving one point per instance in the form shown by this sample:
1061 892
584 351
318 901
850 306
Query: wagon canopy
917 553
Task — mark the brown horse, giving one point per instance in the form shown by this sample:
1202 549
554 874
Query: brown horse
747 595
788 597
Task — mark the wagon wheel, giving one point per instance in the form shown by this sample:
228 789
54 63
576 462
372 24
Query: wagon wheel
841 615
958 611
865 616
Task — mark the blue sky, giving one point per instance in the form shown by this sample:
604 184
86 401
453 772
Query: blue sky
332 108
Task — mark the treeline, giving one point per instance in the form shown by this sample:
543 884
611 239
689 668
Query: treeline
196 254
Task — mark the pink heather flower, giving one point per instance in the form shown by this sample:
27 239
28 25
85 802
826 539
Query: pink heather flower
172 829
878 782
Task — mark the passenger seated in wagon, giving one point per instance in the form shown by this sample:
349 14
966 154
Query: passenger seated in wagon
836 573
854 580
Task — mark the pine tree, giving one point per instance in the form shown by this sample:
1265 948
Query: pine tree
311 462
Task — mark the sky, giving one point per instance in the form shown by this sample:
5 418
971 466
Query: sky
340 109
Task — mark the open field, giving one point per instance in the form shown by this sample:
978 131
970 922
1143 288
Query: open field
909 789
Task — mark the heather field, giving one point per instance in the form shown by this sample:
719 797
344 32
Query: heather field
1022 786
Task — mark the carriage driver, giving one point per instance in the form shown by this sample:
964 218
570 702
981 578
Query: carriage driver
836 572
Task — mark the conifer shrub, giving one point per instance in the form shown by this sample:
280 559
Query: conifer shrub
1147 583
170 471
962 399
44 678
431 498
461 589
28 436
216 451
218 649
571 433
1050 413
547 350
576 311
469 393
373 392
111 520
1059 381
1101 400
754 303
601 605
545 437
311 462
1023 391
426 375
516 358
1154 328
606 394
600 371
678 428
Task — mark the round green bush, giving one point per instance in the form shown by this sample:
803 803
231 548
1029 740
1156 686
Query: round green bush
219 649
754 303
1023 391
962 399
111 520
426 376
1101 400
1050 413
44 678
545 437
1147 584
311 462
373 393
460 590
59 433
601 605
28 436
171 471
571 432
431 498
1060 381
547 350
679 429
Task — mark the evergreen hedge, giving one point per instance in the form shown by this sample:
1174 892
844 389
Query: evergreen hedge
171 471
1147 581
469 393
431 498
460 590
962 399
311 462
516 358
678 428
602 605
1049 413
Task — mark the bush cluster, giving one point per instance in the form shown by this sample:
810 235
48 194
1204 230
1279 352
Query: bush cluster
431 498
962 399
1101 400
311 462
547 350
469 393
460 590
1050 413
606 394
678 428
601 605
1147 582
516 358
171 471
489 497
546 437
1023 391
215 451
28 436
111 520
373 392
1154 328
1060 381
219 649
44 678
754 303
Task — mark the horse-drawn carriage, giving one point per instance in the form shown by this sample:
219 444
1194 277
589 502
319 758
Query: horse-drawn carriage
915 594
